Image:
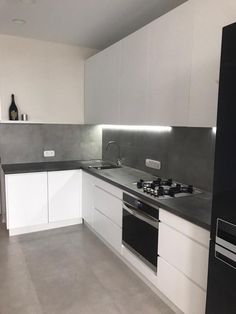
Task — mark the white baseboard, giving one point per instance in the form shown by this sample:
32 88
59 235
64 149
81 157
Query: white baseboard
51 225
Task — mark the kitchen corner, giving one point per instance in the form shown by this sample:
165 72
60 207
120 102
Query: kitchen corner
117 171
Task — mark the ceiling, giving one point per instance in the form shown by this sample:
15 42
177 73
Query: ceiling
89 23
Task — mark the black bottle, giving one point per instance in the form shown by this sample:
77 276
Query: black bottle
13 111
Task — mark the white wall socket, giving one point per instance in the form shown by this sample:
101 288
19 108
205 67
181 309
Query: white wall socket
155 164
49 153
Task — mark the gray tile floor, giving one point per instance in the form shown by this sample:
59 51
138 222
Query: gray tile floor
69 271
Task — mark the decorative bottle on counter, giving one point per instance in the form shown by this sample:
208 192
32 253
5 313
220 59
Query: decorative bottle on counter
13 111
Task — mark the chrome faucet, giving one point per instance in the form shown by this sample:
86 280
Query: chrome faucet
118 162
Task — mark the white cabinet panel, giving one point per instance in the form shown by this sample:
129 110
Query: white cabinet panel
133 79
109 231
189 229
180 290
169 67
188 256
87 198
109 205
64 194
109 188
209 18
26 199
102 87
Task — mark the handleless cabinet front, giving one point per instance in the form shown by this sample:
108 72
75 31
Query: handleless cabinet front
64 195
26 199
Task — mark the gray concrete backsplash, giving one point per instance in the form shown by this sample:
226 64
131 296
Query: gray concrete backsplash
22 143
186 153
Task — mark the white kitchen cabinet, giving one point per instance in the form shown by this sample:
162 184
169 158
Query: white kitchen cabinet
210 16
88 198
169 67
185 254
183 249
107 213
133 79
26 199
108 205
186 295
108 230
64 195
102 87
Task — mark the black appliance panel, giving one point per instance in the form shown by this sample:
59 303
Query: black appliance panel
140 230
221 291
224 188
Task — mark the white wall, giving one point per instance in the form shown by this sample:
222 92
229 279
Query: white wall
47 79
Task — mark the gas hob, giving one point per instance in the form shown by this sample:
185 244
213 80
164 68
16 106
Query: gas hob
165 188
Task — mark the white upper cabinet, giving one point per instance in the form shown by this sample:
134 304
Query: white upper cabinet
167 73
102 86
169 67
133 79
210 16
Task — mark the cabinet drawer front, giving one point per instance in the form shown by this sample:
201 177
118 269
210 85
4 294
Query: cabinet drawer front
109 205
188 256
110 232
191 230
109 188
188 297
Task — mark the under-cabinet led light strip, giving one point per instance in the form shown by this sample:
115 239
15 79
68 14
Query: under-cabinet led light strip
137 127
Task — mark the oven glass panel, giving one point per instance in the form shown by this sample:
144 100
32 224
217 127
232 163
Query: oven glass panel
141 237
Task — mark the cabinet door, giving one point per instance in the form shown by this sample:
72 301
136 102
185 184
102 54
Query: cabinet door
26 199
133 79
185 254
109 231
108 205
187 296
102 87
210 16
88 198
169 67
64 195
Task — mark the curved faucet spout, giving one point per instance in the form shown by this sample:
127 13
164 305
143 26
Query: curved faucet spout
118 162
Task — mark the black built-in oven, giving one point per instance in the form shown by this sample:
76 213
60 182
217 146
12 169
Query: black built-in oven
140 229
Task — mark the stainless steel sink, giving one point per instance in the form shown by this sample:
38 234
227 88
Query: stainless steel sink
103 167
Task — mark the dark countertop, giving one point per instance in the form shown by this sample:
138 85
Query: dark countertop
41 166
194 208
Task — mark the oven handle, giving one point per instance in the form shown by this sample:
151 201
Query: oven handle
152 222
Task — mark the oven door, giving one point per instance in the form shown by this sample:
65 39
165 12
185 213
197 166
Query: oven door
140 235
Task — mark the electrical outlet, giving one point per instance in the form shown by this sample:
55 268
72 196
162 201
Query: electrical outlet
154 164
49 153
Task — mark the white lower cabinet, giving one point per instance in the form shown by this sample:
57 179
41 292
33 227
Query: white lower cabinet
42 200
183 263
87 198
108 230
26 199
108 215
109 205
64 195
102 209
180 290
185 254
